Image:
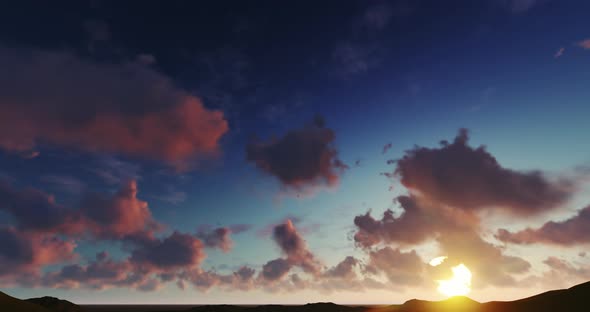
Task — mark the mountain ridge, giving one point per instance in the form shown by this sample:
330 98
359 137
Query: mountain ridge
575 298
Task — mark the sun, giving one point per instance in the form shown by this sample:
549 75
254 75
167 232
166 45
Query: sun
459 284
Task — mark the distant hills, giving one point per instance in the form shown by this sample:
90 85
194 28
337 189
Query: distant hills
55 305
573 299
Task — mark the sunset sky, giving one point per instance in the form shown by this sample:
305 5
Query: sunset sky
293 151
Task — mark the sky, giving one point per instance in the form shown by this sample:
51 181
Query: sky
292 152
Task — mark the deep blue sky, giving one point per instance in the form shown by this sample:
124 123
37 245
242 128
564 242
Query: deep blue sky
94 97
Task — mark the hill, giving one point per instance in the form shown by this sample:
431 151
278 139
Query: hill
574 299
55 304
11 304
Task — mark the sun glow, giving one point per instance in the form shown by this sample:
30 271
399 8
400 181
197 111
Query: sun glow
437 261
459 284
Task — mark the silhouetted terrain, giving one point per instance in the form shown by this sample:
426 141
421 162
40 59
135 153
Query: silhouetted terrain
55 304
576 298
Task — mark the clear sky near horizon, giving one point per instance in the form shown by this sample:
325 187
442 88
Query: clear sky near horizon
292 152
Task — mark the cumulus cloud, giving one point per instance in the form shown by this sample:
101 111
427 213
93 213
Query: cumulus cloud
118 216
105 216
295 248
276 269
178 250
24 253
33 209
101 273
301 158
472 179
448 187
401 268
344 269
568 232
417 223
217 238
128 108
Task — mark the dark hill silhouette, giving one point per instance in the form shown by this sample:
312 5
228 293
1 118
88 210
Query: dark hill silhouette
574 299
11 304
55 304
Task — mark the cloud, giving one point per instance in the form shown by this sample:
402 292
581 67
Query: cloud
472 179
276 269
103 216
584 44
559 52
572 231
24 253
128 109
561 273
486 261
175 251
118 216
417 223
301 159
34 210
344 269
217 238
101 273
401 268
448 187
295 248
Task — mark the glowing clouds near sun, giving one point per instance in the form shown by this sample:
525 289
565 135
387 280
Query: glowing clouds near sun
459 284
437 261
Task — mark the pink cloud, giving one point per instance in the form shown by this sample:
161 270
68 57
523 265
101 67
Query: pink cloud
584 44
573 231
128 109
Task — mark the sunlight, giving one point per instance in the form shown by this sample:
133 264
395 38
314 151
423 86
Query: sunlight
459 284
437 261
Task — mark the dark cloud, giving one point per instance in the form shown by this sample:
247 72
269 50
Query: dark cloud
417 223
105 216
217 238
24 253
33 209
301 158
401 268
295 248
128 108
569 232
344 269
175 251
245 273
276 269
99 274
463 177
